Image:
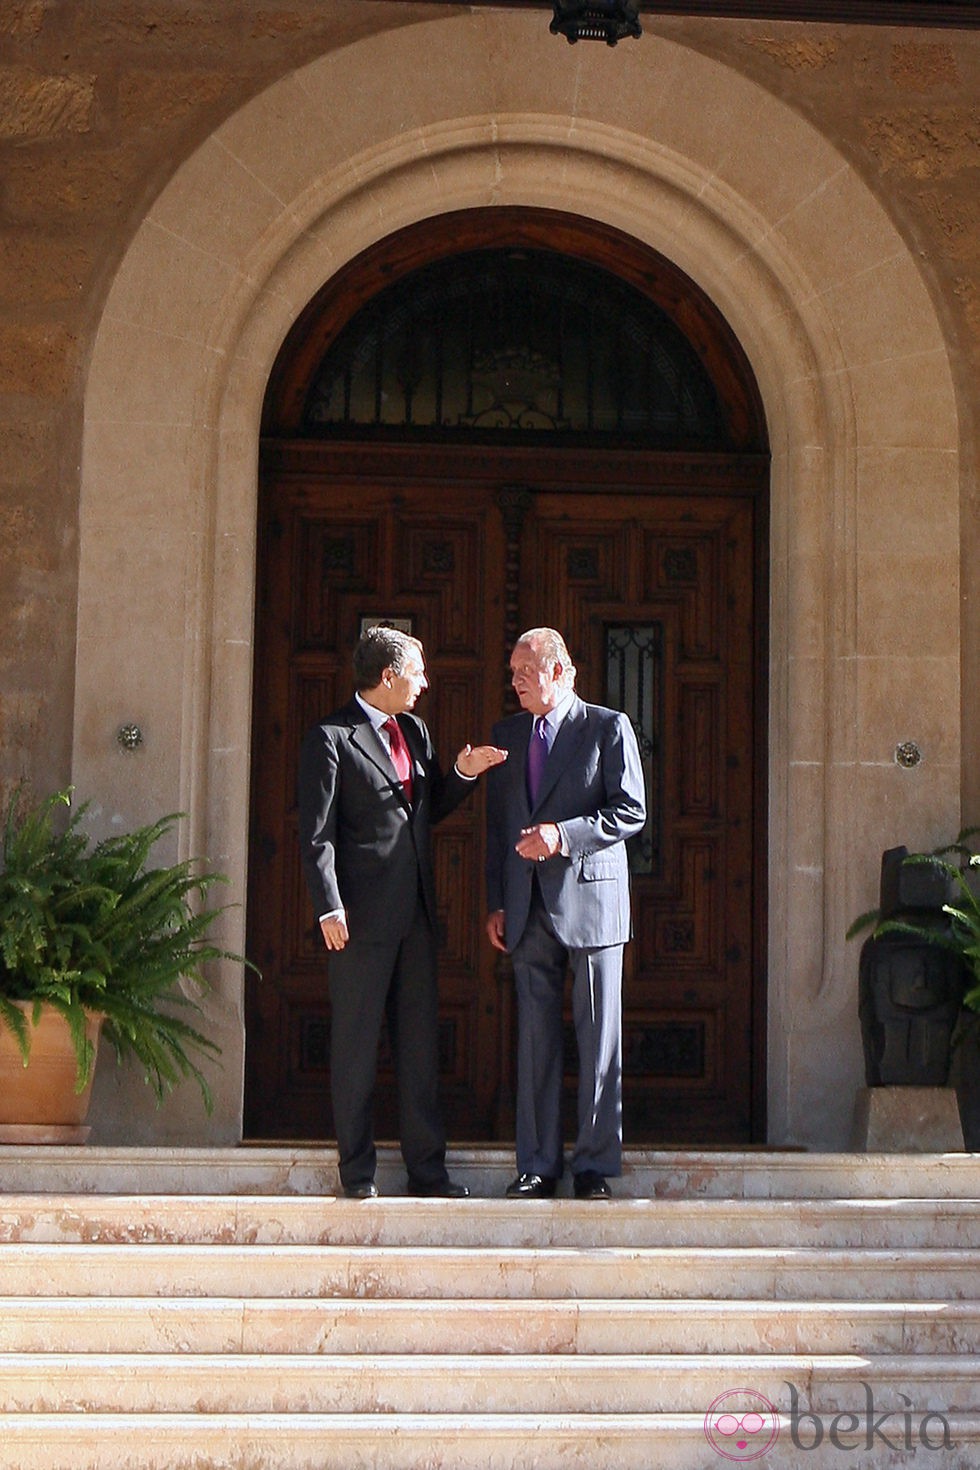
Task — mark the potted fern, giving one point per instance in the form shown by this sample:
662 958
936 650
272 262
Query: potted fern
94 940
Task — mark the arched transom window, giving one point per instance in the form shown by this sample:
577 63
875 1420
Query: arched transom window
516 342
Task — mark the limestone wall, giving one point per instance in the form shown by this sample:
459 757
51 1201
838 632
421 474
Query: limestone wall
100 102
139 165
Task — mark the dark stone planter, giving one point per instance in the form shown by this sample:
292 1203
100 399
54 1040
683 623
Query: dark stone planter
910 993
910 990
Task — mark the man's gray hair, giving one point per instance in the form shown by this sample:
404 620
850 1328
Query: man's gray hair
381 648
549 645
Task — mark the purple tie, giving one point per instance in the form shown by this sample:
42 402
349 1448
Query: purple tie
537 754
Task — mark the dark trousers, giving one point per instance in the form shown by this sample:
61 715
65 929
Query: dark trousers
394 978
541 963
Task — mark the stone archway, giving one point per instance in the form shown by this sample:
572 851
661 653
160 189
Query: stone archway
827 303
399 469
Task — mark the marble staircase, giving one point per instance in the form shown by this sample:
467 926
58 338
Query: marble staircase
224 1310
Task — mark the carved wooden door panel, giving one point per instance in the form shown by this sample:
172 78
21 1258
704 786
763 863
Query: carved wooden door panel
335 555
655 592
655 596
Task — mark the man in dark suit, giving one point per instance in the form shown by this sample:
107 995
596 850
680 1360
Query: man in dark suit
559 813
370 788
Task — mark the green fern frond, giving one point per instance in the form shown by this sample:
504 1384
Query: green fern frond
94 929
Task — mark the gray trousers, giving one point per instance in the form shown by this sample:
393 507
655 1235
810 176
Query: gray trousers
541 963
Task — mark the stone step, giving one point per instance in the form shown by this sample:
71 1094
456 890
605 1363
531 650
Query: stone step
568 1326
293 1220
449 1442
478 1384
274 1326
608 1272
647 1173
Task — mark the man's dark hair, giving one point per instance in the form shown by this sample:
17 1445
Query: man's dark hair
381 648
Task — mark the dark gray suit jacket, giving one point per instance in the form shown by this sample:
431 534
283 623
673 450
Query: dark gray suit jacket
593 785
364 849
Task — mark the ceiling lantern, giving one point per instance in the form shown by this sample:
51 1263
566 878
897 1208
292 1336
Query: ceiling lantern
596 20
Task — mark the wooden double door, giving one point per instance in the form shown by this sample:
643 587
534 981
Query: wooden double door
657 581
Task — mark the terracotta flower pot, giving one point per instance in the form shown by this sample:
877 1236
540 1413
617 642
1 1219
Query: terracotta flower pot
38 1103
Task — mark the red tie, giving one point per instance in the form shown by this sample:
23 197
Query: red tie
400 758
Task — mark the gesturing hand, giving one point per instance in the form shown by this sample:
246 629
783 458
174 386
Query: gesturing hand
474 760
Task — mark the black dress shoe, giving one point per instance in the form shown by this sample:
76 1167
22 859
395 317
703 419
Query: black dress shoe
445 1189
590 1185
531 1186
369 1190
